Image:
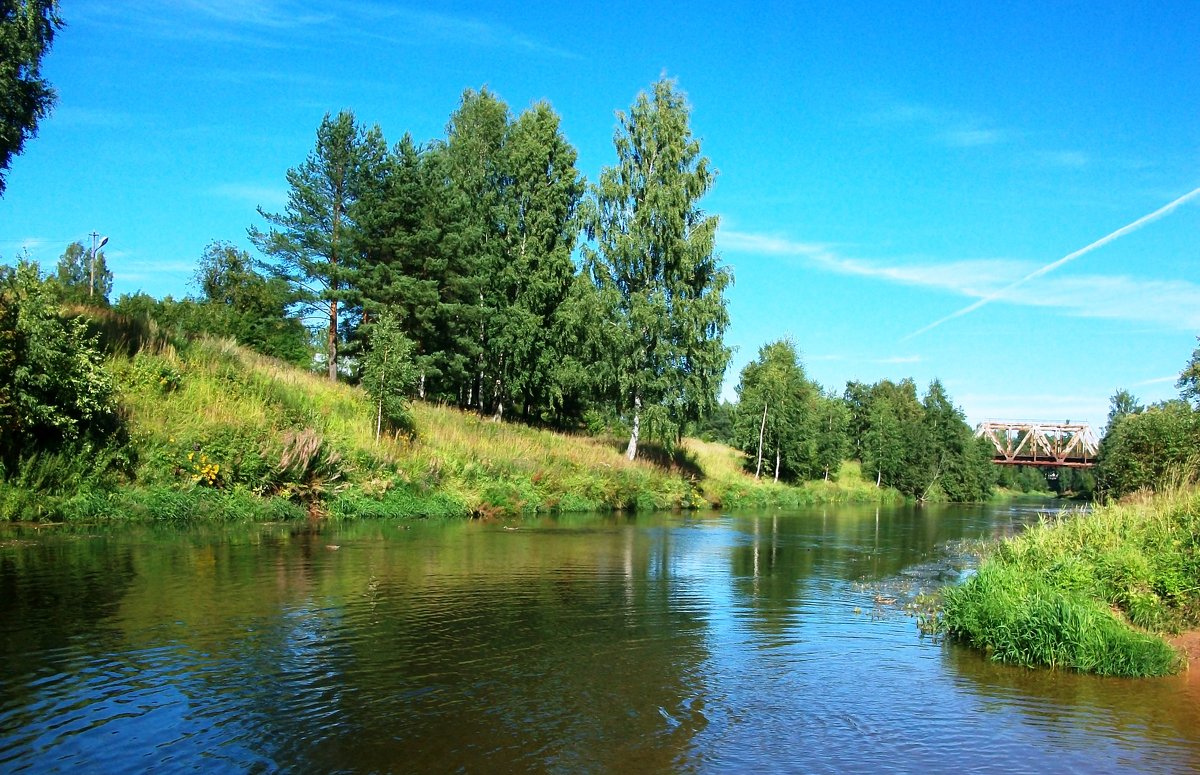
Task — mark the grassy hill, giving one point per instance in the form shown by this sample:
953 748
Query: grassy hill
220 432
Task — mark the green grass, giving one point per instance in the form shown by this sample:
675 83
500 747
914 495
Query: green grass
218 431
1088 591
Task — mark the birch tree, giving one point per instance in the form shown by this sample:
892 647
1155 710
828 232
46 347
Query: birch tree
388 372
654 264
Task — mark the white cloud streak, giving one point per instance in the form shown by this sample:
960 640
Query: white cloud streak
1157 381
1003 292
1173 304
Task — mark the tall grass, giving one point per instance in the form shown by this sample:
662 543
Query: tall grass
213 423
1085 590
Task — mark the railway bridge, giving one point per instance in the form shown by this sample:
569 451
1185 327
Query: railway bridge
1052 445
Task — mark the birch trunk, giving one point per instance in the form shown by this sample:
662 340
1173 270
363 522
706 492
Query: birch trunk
761 430
631 450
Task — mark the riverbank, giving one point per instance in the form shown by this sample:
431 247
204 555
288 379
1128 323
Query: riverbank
1090 591
217 432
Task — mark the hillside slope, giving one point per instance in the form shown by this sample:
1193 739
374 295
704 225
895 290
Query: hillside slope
218 431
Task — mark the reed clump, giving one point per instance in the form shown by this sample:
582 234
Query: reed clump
1089 591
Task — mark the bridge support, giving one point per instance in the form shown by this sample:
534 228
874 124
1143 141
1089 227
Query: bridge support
1041 444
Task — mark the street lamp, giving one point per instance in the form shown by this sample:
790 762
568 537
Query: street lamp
92 264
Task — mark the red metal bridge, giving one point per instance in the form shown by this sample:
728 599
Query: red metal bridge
1041 444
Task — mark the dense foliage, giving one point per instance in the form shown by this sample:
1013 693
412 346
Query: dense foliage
55 393
27 29
1155 447
1147 450
790 428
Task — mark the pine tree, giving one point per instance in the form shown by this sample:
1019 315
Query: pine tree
402 264
312 240
476 182
535 276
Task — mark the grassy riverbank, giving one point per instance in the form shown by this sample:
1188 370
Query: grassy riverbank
1089 591
219 432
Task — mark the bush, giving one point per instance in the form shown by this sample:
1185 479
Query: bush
55 393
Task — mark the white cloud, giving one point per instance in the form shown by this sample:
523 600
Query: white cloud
954 128
1172 304
1157 381
273 24
1070 159
455 28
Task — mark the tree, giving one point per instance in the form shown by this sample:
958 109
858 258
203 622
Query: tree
1122 404
403 267
239 302
951 460
475 181
778 411
1150 449
883 443
771 398
831 420
892 439
312 240
1189 378
388 372
655 266
82 279
27 29
542 193
54 390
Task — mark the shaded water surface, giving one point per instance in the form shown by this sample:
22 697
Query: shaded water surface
705 643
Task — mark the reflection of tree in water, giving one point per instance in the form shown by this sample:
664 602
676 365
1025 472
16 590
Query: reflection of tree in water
54 589
524 650
781 553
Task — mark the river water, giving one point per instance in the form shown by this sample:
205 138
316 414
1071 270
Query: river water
769 642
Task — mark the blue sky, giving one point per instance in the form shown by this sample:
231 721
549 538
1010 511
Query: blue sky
882 165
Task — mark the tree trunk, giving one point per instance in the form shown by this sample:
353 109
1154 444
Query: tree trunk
332 344
421 387
777 464
333 286
631 450
761 430
878 476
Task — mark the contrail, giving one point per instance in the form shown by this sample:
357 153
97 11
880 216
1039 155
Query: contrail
1121 232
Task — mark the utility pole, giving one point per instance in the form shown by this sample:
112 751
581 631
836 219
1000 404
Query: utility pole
92 263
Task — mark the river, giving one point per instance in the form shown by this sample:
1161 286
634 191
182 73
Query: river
768 642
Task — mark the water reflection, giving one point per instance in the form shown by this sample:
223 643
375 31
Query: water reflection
615 643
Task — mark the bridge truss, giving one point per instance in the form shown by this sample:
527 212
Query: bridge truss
1041 444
